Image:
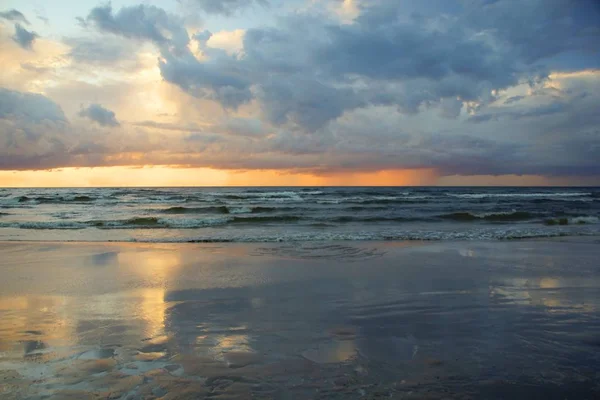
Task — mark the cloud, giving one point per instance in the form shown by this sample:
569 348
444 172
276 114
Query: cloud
32 129
220 81
14 15
140 22
472 87
230 41
29 107
215 80
100 51
226 7
513 99
538 111
400 54
311 107
169 126
450 108
23 37
100 115
45 20
243 127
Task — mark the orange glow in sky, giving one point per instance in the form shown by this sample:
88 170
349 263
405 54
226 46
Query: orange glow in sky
172 176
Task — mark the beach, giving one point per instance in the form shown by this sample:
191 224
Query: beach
300 320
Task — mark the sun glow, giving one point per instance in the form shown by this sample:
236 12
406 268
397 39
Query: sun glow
172 176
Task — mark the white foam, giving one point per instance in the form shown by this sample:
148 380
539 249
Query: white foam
584 220
523 195
239 210
313 193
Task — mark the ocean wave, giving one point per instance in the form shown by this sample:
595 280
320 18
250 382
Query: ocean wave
548 195
312 192
377 200
224 210
143 221
265 196
579 220
494 217
56 199
266 219
585 220
324 236
366 208
160 223
259 210
351 218
373 192
195 210
579 202
239 210
37 225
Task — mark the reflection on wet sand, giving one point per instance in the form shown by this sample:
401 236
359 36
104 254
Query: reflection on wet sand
141 322
555 294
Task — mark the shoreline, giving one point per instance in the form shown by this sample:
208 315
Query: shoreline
591 238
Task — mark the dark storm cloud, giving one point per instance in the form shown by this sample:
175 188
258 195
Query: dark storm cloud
14 15
316 82
23 37
387 49
539 30
227 7
309 71
311 107
99 114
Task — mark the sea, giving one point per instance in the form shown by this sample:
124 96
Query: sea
287 214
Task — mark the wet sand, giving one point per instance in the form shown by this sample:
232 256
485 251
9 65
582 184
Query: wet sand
468 320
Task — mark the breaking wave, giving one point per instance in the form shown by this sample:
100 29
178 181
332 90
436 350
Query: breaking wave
493 217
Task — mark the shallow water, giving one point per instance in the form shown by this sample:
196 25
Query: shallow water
304 320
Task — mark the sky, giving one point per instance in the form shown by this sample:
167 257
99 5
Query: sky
299 92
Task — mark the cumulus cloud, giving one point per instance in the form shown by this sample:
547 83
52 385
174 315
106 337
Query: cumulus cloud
218 79
14 15
23 37
30 107
308 70
226 7
100 115
223 82
140 22
31 129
